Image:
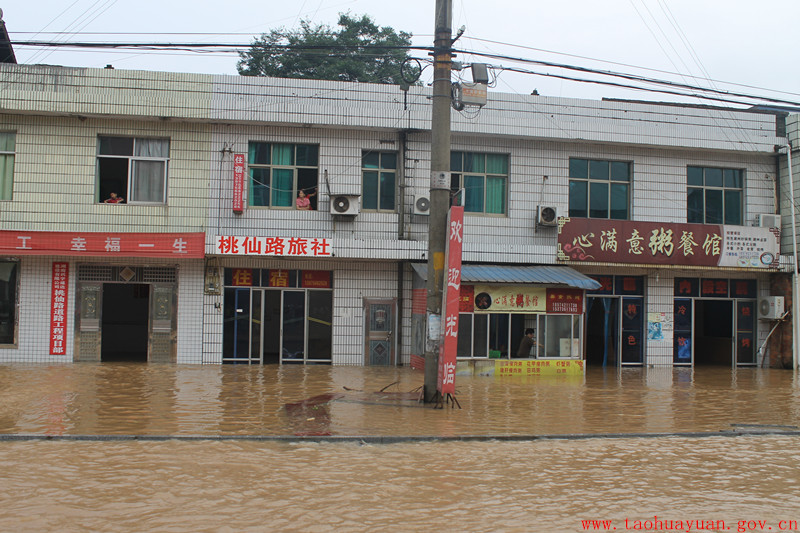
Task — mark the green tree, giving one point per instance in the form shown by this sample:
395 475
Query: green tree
358 51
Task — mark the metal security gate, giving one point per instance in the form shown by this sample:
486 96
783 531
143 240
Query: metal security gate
160 285
379 331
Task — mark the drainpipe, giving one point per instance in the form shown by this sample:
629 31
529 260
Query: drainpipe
795 291
401 187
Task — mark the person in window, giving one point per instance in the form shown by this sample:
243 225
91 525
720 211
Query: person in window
114 199
526 344
304 202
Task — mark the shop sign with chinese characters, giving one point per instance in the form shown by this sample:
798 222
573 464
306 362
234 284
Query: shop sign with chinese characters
509 298
273 246
172 245
58 308
238 183
624 241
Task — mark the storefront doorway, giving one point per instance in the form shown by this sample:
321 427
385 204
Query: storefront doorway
126 309
615 327
269 326
715 322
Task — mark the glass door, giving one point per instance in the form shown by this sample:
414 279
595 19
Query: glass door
293 331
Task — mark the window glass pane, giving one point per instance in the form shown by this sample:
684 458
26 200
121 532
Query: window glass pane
319 324
370 160
389 160
598 200
474 163
733 178
694 204
259 187
579 168
713 177
151 148
455 161
455 188
148 181
464 344
498 334
8 301
733 207
619 201
369 197
694 176
713 206
283 154
6 176
620 171
259 154
495 195
598 170
387 191
307 155
474 198
497 164
282 187
557 328
577 199
480 336
7 141
116 146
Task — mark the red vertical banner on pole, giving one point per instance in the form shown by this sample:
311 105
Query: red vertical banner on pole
58 309
238 183
452 287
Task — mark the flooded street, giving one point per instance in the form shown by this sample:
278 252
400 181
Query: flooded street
528 484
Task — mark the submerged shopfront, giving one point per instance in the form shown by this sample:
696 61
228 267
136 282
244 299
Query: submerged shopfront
688 293
498 304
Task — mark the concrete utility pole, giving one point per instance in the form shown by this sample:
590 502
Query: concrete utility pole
440 184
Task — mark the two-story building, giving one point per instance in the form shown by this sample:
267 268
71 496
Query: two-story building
620 232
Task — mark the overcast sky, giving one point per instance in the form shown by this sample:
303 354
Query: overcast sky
687 41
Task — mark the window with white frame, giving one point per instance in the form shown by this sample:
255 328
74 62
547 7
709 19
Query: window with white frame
378 180
714 195
599 188
133 168
483 181
9 288
7 146
278 172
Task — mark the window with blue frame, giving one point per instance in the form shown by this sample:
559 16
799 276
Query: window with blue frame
278 172
378 181
482 179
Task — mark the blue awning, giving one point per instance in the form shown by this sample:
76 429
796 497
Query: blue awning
540 274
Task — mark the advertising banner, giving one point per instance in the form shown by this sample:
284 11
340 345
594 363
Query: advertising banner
509 298
238 183
452 288
58 308
93 244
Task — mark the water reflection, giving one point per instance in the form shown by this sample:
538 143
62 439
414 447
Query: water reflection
131 399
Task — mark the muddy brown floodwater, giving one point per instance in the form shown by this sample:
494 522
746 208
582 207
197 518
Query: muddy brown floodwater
707 449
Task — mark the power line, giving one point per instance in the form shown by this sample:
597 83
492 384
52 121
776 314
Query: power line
328 50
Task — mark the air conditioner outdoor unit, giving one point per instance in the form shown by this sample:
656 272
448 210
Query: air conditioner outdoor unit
770 308
345 204
546 215
769 221
422 205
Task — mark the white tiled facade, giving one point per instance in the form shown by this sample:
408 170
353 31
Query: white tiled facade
57 114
